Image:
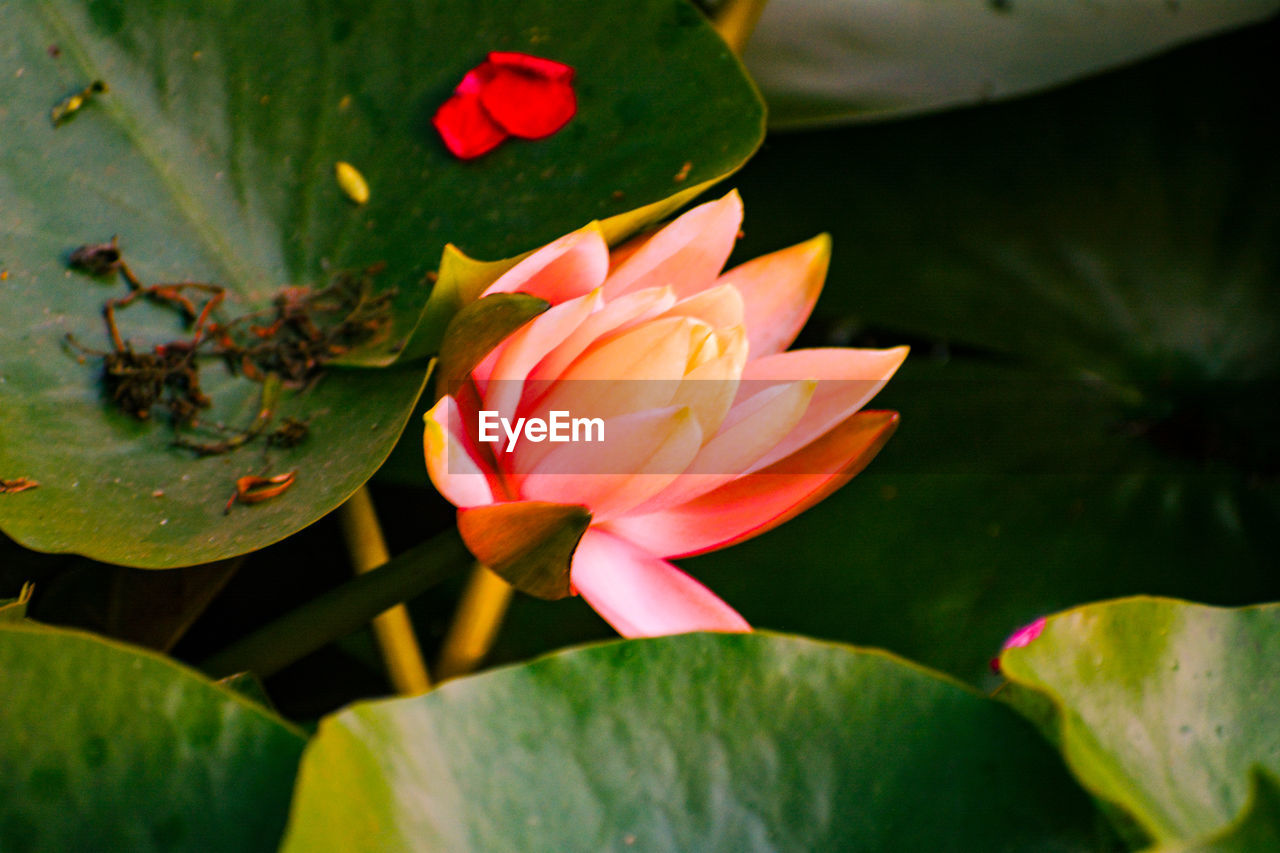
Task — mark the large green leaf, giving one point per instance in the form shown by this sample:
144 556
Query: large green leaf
1163 707
107 747
696 742
820 61
212 158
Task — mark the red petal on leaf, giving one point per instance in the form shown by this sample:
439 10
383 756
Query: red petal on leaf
528 96
476 79
508 94
463 124
536 66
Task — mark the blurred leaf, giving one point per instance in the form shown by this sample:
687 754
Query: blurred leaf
1164 707
15 609
211 155
819 61
1127 227
696 742
476 329
1257 829
107 747
150 609
249 686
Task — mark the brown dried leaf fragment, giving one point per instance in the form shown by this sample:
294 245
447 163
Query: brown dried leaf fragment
96 258
252 490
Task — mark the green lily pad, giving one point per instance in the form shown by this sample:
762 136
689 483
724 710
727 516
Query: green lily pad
820 62
1257 829
694 742
211 155
106 747
1163 707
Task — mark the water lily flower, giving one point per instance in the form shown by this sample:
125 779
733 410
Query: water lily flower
715 433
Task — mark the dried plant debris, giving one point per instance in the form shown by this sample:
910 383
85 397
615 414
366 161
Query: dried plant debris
166 376
252 490
284 346
70 105
312 327
17 484
266 411
290 433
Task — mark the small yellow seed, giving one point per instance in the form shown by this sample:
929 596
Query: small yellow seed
352 182
73 104
66 108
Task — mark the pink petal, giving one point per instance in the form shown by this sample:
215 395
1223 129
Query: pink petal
688 254
616 316
779 291
455 466
711 387
639 369
755 503
564 269
847 379
641 595
720 307
641 454
502 373
620 253
752 428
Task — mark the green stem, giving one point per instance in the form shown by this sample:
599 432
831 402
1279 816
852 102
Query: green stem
342 610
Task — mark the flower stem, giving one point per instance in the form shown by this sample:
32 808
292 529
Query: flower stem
735 20
392 627
342 610
475 625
